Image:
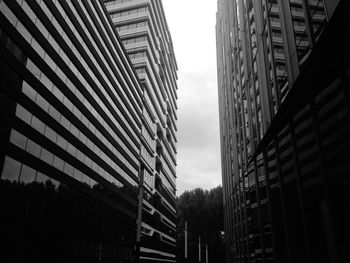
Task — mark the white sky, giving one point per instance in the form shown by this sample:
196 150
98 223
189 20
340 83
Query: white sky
192 27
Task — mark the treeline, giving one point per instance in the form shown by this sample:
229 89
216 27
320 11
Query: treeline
203 211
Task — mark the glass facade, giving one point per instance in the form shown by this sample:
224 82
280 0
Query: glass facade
71 134
142 28
279 202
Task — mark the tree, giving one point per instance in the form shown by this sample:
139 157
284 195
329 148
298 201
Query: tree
203 211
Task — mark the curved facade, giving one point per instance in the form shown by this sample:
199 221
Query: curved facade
72 119
141 25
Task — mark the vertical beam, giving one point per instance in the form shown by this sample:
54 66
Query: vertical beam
263 65
308 23
325 205
199 249
267 182
185 241
139 213
206 253
289 41
261 227
282 195
300 189
272 53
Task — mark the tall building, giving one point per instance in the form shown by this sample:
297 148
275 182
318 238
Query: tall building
142 27
72 125
283 80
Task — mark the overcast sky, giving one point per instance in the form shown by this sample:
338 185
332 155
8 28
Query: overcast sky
192 27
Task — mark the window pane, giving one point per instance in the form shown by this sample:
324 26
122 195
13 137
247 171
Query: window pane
68 169
50 133
46 156
28 90
38 124
11 169
23 114
58 163
41 178
33 148
27 174
18 139
77 174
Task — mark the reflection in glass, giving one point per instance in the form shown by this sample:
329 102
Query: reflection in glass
18 139
11 169
27 174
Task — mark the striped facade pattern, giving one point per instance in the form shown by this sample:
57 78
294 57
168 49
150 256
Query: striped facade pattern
142 26
71 134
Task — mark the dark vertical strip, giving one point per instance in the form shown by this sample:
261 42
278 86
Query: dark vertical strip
267 181
283 200
139 213
325 204
300 188
258 199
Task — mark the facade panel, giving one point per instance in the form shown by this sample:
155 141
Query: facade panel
142 26
71 125
284 108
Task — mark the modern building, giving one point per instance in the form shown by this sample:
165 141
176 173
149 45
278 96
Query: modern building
283 80
142 26
72 130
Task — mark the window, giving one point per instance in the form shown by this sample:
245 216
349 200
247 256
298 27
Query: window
33 148
11 169
23 114
27 174
38 124
18 139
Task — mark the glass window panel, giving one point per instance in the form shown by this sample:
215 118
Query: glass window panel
67 103
42 29
33 148
77 174
65 123
85 179
41 178
28 90
45 9
18 139
58 163
87 161
60 74
46 156
58 93
82 137
35 70
29 11
62 142
24 32
38 124
74 130
53 43
80 156
11 169
42 102
68 169
23 114
8 14
94 166
71 149
54 113
28 174
50 133
46 82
